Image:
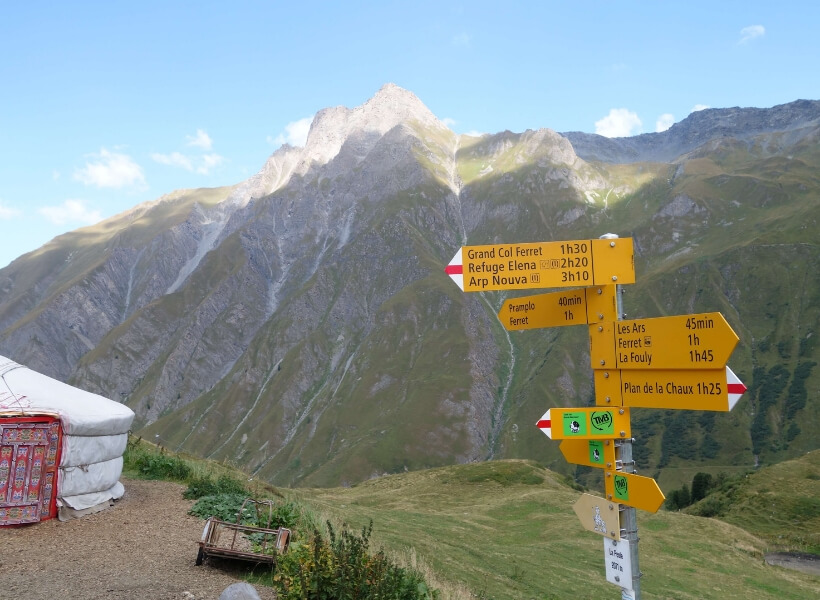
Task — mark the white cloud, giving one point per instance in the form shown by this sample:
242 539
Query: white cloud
175 159
7 212
620 122
751 32
295 133
474 133
449 122
70 211
110 170
209 161
698 107
200 140
664 122
462 40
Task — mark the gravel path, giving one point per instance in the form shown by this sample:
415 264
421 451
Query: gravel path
143 547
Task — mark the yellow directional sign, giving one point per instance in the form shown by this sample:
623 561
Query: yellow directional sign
599 515
702 341
633 490
714 389
543 265
590 453
585 423
556 309
545 310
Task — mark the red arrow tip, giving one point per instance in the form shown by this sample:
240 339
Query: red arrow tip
544 424
454 269
737 388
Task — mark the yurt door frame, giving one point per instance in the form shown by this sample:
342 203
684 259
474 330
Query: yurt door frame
29 457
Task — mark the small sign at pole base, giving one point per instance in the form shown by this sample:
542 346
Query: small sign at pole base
618 563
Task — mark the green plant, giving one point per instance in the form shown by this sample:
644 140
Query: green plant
341 568
224 507
208 486
147 463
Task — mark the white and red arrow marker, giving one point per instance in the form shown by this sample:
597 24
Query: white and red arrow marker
545 424
735 386
456 270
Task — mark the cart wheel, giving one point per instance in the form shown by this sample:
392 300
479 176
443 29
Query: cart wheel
200 556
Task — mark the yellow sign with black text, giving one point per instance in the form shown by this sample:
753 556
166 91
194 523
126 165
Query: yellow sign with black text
702 341
577 263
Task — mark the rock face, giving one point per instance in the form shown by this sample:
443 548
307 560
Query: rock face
300 324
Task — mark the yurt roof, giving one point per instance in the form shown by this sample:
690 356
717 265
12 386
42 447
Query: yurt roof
25 392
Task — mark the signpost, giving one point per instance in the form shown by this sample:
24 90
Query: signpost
557 309
545 310
590 453
676 362
716 389
585 423
618 563
542 265
633 490
702 341
598 515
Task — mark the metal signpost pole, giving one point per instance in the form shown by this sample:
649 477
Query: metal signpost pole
628 517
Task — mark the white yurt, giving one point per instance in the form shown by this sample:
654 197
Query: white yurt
60 447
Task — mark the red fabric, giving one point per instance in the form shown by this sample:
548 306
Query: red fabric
29 457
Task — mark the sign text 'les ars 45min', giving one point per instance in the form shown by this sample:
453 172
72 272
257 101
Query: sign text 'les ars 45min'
702 341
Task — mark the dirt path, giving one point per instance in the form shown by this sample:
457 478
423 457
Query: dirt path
143 547
797 561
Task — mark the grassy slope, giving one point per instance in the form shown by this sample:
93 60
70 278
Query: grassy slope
780 504
507 530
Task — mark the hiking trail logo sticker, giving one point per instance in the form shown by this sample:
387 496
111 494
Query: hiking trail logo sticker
602 422
575 423
596 452
621 488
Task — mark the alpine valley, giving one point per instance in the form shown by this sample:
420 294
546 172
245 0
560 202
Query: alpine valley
300 324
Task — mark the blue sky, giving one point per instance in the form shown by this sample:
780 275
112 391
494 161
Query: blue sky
104 105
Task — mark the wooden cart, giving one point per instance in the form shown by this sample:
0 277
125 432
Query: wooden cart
243 542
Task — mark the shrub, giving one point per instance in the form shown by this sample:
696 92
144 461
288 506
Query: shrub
715 505
701 484
340 568
208 486
226 506
154 465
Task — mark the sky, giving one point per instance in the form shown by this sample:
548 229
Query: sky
105 105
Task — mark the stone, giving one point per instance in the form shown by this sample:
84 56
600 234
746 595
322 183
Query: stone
239 591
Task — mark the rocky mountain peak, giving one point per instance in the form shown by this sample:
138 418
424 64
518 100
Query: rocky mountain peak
331 129
389 107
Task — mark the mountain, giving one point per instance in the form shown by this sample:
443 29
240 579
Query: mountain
300 324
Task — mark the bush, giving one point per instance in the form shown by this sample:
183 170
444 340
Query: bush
340 568
715 505
226 506
701 484
153 465
208 486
